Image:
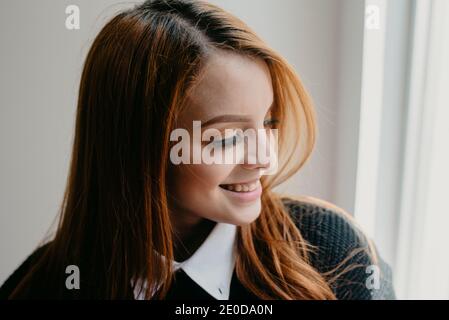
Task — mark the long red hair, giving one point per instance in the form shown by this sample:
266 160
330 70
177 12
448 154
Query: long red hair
114 215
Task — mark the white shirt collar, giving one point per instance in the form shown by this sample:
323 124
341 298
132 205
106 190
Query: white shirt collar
211 266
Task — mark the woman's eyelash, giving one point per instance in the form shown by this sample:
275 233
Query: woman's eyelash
270 122
238 137
229 141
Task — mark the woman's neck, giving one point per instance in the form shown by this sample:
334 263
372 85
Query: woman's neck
189 235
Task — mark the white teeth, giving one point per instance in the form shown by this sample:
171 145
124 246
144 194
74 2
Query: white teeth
241 187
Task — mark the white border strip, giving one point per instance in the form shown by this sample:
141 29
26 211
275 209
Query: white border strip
370 115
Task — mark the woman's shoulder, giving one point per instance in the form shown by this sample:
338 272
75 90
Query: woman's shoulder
340 247
324 224
21 272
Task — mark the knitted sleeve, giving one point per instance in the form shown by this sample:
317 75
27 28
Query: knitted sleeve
342 253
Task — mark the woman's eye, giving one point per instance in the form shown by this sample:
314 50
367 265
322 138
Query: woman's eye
270 122
231 141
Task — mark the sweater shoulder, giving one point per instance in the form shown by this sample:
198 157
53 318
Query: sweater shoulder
21 272
325 227
341 250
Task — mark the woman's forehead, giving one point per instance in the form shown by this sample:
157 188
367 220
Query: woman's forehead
231 84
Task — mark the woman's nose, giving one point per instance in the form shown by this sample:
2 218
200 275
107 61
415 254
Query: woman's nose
261 152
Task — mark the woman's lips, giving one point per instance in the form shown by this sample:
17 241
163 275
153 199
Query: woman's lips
244 192
241 187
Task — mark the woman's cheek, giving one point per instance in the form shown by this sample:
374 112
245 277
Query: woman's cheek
211 176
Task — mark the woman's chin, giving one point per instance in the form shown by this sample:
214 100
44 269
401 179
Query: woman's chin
243 215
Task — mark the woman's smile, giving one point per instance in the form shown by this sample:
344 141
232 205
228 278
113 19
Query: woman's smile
243 192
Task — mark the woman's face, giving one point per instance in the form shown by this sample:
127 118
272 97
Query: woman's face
235 92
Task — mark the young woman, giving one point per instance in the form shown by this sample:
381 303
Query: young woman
137 225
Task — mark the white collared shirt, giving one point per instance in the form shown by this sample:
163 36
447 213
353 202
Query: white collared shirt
211 266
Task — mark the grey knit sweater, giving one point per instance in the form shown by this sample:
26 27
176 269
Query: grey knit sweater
336 237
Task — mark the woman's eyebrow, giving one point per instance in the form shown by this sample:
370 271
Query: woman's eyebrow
227 118
232 118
